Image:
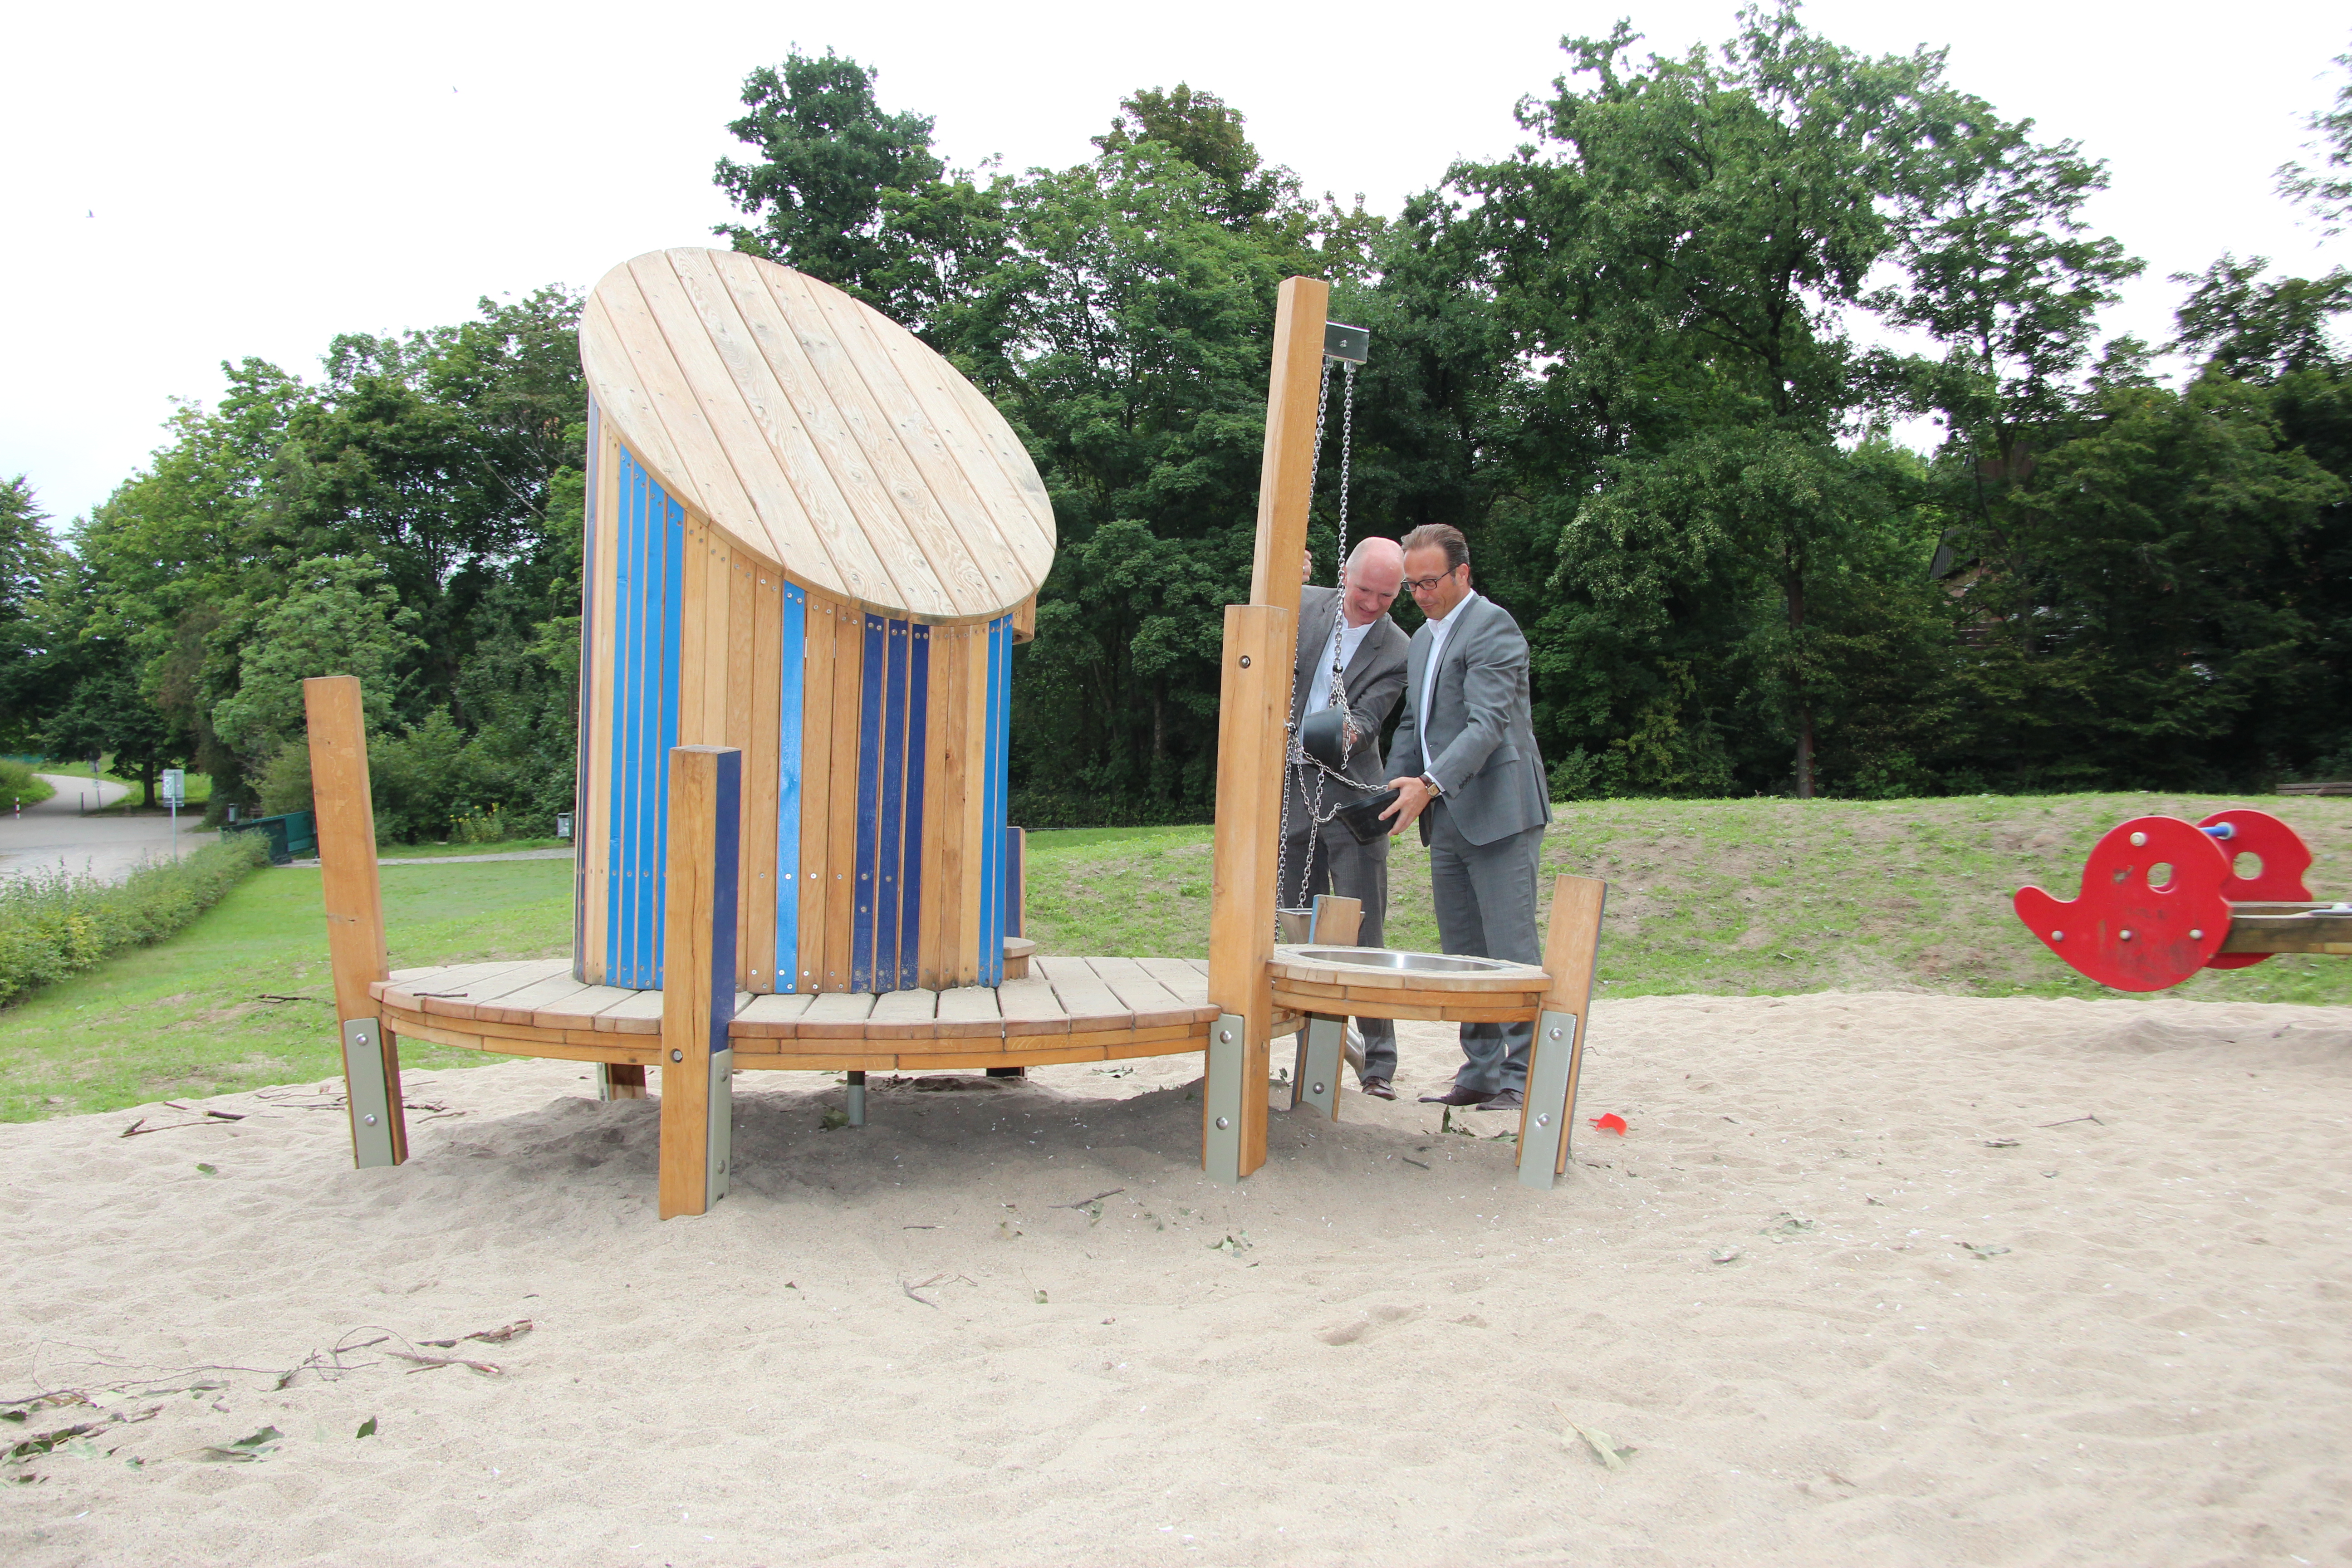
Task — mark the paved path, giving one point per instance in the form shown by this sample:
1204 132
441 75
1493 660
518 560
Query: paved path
56 836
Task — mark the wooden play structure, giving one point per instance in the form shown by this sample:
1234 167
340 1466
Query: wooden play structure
2163 899
811 549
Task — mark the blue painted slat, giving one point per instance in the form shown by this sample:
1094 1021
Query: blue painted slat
641 588
873 676
991 888
1013 871
673 552
726 862
910 875
628 572
580 802
790 700
890 819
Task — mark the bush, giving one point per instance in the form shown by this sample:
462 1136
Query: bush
19 787
54 926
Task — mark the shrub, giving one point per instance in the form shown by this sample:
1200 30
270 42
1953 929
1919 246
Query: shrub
18 786
54 926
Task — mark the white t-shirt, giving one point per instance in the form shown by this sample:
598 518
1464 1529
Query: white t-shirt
1344 640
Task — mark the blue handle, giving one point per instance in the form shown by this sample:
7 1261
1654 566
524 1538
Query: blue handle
2222 830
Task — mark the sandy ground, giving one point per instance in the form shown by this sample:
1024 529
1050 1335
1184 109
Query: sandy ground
1862 1285
53 836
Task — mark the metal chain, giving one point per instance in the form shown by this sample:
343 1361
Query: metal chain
1291 752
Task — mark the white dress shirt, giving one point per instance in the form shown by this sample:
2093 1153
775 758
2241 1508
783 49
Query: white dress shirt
1439 630
1344 640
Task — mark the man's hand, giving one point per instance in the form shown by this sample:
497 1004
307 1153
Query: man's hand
1305 566
1413 798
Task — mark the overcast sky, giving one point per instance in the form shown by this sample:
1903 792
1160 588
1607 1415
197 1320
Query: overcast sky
189 183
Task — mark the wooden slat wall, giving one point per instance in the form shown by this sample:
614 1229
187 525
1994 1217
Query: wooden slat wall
874 760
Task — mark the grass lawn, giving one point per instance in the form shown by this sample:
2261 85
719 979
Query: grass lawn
1725 897
242 996
1744 897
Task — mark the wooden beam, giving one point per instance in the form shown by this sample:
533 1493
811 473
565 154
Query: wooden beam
1286 474
1572 951
1255 706
698 998
354 900
1255 702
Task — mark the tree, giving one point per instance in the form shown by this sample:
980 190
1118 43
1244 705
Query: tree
2327 190
2251 331
106 712
1682 267
30 564
828 159
1200 129
2154 627
339 616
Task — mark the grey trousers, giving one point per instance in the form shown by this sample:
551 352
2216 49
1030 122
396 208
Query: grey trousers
1485 898
1339 865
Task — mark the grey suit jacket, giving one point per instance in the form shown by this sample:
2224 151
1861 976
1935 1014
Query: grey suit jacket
1477 738
1374 679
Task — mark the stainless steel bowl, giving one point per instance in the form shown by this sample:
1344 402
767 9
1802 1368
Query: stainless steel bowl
1408 962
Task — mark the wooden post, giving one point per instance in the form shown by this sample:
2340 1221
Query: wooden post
345 808
1261 643
1286 473
698 966
1572 950
1255 702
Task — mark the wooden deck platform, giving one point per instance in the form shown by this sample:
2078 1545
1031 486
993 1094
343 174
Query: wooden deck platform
1066 1010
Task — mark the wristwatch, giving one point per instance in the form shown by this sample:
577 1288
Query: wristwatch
1430 782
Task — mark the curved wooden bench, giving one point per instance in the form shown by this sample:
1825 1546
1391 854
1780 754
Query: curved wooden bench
1068 1010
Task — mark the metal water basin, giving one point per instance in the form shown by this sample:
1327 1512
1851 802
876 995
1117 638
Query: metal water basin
1392 960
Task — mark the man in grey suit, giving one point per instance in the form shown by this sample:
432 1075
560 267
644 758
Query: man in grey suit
1467 767
1351 626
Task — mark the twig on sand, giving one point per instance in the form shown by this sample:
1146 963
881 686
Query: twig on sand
1084 1202
925 1300
513 1331
427 1362
2072 1120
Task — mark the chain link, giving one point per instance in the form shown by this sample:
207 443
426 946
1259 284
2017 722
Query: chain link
1313 771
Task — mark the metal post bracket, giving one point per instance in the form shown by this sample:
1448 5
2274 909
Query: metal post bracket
370 1093
1221 1094
1543 1139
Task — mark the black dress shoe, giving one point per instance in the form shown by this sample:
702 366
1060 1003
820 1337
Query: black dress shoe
1378 1088
1457 1095
1509 1099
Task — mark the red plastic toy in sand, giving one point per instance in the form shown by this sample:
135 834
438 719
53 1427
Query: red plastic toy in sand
1612 1122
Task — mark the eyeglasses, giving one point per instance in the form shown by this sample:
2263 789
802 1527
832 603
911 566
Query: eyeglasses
1429 585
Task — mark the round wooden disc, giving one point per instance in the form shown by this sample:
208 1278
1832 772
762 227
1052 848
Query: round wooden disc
818 432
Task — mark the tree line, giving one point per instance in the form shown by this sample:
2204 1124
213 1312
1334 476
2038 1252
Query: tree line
1645 362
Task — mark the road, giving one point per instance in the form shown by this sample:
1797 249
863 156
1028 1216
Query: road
55 837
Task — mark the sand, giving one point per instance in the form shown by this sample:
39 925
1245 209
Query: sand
1842 1290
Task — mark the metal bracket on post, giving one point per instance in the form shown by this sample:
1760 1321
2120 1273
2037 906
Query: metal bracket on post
370 1093
1322 1052
1551 1073
721 1154
1220 1093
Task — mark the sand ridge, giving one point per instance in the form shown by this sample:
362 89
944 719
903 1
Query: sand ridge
1951 1323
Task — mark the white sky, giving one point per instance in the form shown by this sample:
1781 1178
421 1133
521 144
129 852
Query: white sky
189 183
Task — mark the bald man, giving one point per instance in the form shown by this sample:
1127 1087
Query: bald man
1348 625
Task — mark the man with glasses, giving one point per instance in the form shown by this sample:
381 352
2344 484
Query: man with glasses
1352 625
1468 771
